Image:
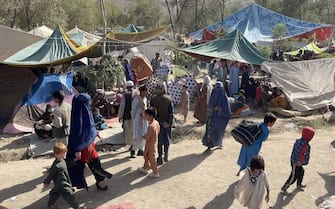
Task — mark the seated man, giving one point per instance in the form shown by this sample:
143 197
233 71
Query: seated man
43 127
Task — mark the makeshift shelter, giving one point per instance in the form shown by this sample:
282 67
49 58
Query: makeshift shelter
256 23
32 105
207 35
308 85
83 38
131 29
56 50
311 47
41 31
14 82
233 46
142 67
137 37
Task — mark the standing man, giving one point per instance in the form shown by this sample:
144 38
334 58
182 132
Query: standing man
125 114
61 118
163 104
156 63
233 79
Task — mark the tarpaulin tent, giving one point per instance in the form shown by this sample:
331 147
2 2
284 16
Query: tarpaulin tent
311 47
308 85
130 29
233 46
256 23
31 106
55 50
82 37
41 31
207 35
137 37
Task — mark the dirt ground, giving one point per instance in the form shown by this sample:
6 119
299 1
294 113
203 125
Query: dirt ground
190 180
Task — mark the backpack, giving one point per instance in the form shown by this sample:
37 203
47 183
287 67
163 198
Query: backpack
246 132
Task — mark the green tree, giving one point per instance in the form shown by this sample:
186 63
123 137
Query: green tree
146 13
279 34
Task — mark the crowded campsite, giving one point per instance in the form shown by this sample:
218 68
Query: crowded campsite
169 104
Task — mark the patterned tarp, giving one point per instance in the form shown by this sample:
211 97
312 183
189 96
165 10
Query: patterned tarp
256 23
311 47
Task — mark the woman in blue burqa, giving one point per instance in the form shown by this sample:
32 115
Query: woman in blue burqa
218 115
81 147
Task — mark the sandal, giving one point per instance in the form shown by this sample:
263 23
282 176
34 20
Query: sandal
99 187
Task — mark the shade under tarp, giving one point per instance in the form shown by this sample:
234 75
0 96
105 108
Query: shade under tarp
130 29
308 85
55 50
311 47
234 46
137 37
256 23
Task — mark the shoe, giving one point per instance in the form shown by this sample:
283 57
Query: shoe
220 146
283 191
238 173
132 154
142 170
152 175
99 187
207 151
159 161
301 186
166 159
140 153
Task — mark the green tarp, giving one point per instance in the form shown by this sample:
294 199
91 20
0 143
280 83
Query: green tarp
131 29
234 46
55 50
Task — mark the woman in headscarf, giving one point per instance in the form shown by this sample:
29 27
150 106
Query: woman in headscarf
204 94
218 115
81 147
101 102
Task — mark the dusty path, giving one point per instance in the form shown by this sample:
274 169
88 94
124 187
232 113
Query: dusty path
190 180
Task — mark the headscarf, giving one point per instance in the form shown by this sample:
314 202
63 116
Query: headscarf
307 133
219 99
82 129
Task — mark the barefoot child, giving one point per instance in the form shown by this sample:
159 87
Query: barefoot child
251 188
59 175
299 157
151 138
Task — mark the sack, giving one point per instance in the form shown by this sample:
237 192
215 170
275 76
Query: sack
246 132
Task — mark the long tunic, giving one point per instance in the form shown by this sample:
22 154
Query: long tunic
184 101
200 111
251 195
234 80
140 125
247 153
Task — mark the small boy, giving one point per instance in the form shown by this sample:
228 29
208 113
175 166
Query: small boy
299 157
99 120
184 101
240 102
59 175
151 138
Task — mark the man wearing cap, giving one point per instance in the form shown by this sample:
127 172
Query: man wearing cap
125 114
163 104
156 62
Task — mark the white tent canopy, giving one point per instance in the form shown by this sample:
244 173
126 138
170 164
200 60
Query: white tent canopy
86 40
41 31
308 85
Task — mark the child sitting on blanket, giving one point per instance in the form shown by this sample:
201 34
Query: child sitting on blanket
99 120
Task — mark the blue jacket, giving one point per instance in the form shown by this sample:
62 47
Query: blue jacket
301 151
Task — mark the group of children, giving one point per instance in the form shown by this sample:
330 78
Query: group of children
254 184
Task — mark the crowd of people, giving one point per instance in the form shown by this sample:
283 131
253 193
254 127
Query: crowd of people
147 124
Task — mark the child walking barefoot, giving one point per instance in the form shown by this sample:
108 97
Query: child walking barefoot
251 188
151 138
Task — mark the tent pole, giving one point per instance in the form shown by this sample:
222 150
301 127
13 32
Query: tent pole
104 20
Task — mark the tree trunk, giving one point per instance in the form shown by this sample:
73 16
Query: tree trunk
171 20
104 21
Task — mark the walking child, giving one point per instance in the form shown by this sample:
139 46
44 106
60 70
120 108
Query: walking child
151 138
299 157
59 175
253 184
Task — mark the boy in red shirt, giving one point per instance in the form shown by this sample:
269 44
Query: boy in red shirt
151 138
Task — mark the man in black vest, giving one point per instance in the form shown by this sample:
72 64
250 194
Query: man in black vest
125 114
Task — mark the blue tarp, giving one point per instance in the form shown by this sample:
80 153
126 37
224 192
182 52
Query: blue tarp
42 90
256 24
